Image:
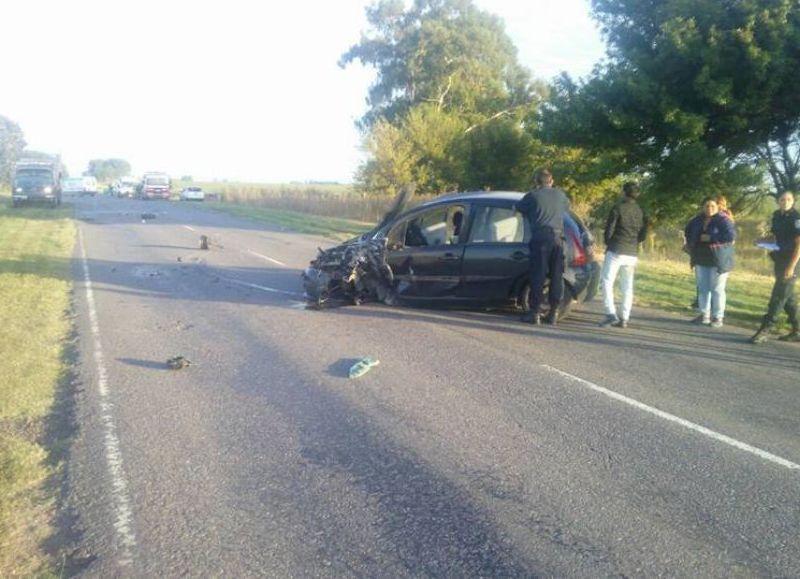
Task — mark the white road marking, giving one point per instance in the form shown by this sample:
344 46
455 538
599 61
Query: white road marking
271 290
672 418
266 257
119 493
190 228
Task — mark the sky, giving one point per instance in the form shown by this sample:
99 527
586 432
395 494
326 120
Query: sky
241 90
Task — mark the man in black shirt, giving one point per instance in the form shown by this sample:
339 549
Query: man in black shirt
544 208
786 229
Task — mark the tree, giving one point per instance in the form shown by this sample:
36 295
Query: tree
447 53
12 143
686 84
449 104
108 169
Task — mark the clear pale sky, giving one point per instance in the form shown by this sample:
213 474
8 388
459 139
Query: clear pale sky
240 89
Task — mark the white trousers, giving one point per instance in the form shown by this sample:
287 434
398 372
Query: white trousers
624 265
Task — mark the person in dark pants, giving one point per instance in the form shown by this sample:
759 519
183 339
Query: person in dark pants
786 229
544 208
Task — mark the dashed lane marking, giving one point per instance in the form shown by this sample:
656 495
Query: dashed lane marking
672 418
119 491
267 258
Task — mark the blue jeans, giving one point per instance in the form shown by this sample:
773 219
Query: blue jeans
711 291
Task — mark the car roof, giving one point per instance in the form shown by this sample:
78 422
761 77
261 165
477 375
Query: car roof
476 196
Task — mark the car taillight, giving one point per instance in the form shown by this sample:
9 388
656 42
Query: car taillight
579 258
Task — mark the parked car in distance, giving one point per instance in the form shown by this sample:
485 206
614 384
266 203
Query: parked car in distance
88 185
467 249
125 187
72 185
193 194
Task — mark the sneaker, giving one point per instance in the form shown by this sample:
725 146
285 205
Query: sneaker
716 323
620 324
608 320
793 336
702 320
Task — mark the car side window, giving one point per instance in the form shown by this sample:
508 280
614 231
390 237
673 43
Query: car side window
498 225
438 226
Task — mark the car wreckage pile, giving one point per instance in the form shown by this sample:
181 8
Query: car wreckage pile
350 274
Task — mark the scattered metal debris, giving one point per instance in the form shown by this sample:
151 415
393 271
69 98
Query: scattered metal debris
363 366
203 242
146 216
178 363
354 272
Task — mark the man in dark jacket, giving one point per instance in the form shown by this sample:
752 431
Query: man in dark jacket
786 229
544 208
626 228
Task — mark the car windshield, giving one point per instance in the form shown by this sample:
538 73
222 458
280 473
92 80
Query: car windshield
27 178
161 181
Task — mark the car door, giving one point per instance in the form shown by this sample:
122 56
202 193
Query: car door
496 254
425 251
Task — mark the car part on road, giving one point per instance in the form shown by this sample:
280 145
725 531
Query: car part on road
203 242
363 366
146 216
178 363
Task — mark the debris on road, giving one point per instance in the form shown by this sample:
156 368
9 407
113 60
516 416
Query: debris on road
203 242
363 366
146 216
178 363
354 272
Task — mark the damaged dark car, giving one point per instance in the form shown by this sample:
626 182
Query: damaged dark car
462 250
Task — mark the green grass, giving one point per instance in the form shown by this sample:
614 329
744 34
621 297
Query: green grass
35 250
669 285
332 227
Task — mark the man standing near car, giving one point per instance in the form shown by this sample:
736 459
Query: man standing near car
626 228
786 229
544 208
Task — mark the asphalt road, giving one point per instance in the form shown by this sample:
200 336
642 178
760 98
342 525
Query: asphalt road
478 447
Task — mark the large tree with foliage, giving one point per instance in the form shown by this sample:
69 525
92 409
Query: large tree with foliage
108 169
689 93
12 143
449 101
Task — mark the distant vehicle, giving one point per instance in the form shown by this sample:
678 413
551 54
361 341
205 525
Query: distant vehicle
88 185
154 186
193 194
72 185
37 180
125 187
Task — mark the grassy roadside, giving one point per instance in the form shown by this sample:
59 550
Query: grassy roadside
332 227
35 250
669 285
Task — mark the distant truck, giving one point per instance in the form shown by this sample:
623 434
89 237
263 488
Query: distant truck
37 180
155 186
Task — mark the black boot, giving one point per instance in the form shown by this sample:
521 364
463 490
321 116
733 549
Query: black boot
532 318
793 335
762 335
552 316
